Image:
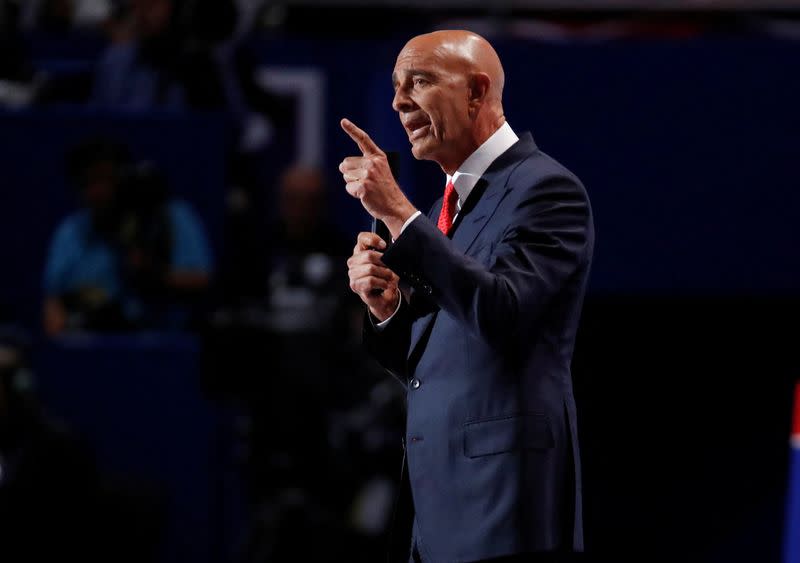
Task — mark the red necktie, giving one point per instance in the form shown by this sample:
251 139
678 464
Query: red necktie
448 208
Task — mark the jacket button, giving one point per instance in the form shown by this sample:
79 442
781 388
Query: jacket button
415 383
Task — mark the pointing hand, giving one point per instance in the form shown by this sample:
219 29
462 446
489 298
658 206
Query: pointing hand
369 178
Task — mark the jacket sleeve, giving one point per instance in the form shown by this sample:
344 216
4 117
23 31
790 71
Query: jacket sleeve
547 238
390 345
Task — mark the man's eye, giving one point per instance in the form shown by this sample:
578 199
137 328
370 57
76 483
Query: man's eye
420 82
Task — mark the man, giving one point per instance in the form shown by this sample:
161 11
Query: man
483 331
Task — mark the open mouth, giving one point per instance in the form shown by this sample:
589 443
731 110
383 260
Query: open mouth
418 129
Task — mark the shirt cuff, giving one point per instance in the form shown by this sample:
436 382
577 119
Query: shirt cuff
408 221
381 325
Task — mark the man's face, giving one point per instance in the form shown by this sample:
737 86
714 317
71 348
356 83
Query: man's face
431 97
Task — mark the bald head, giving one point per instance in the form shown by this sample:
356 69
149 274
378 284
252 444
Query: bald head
467 50
448 92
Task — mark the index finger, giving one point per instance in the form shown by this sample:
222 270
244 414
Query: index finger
367 241
364 142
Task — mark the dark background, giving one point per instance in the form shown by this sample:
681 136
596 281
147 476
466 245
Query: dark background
686 131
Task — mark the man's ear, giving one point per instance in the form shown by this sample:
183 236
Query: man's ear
479 85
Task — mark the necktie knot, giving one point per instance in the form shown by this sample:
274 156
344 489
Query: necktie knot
448 208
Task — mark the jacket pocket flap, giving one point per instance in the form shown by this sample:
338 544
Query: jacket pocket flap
494 436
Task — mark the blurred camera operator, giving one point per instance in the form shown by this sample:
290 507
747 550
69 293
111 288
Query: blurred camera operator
131 258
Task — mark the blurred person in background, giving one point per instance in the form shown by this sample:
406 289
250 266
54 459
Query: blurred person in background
302 242
133 257
294 246
162 56
191 55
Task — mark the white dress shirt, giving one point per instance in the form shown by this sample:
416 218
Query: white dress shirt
467 175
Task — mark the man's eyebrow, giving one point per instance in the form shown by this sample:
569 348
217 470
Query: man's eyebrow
414 72
423 73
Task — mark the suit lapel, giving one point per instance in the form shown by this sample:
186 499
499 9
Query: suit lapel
475 214
470 224
488 193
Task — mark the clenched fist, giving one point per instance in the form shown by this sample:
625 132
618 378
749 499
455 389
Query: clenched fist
369 178
374 283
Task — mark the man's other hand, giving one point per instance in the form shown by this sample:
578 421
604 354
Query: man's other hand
370 279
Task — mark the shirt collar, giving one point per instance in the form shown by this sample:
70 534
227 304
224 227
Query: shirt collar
468 174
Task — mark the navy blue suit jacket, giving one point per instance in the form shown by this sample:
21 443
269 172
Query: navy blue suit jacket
485 343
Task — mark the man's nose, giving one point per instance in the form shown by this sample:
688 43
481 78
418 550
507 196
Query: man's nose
402 102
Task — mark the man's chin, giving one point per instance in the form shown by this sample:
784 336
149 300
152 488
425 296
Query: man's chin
421 150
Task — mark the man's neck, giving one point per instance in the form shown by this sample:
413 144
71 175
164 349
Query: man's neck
480 136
